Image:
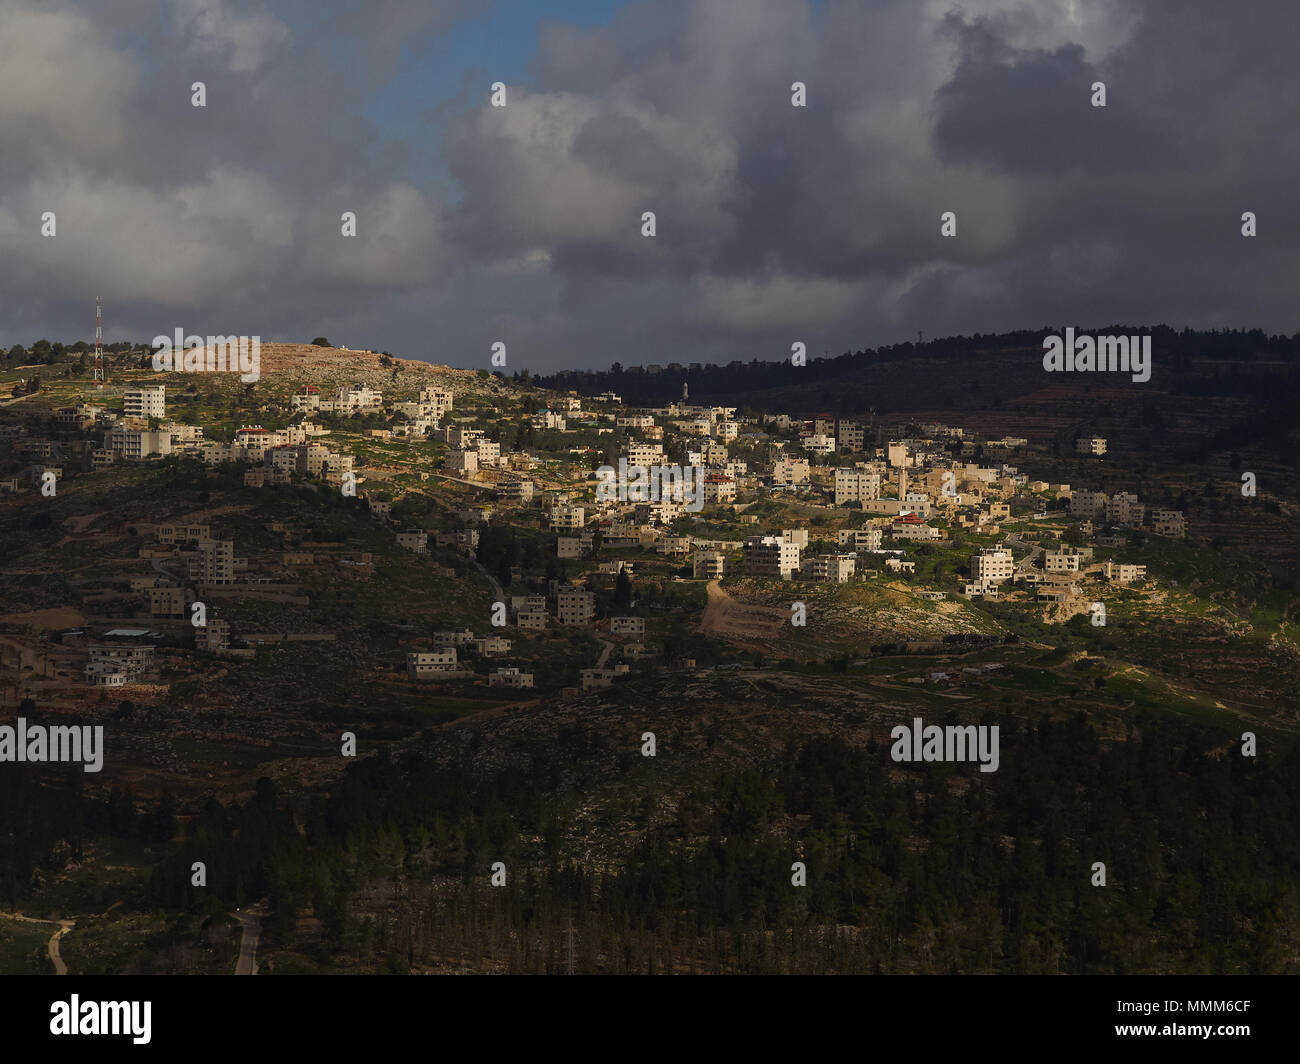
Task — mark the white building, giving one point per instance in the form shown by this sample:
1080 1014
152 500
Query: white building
991 566
423 664
829 568
511 677
860 538
145 402
771 556
855 485
1065 560
1123 508
1124 574
790 471
565 518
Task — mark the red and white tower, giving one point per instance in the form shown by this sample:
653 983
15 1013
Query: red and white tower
99 342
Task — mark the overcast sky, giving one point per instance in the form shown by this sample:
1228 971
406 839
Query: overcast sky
523 224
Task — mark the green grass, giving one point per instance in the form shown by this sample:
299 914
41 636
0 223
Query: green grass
23 948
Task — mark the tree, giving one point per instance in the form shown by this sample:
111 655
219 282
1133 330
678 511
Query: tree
320 341
623 590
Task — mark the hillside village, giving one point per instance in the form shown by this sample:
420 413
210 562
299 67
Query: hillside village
360 570
776 499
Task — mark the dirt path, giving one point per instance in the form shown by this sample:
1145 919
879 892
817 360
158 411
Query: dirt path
749 627
252 928
64 926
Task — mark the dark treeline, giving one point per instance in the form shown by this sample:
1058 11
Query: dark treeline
934 868
44 826
1190 362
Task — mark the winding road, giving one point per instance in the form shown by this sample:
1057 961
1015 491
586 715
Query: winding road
64 926
252 925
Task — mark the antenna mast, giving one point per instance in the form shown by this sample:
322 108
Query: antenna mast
99 342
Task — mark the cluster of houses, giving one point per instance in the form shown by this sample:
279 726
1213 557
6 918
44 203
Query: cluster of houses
896 494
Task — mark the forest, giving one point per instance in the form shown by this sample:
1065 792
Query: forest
926 868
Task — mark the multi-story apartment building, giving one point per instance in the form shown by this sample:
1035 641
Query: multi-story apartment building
510 677
453 637
574 606
136 444
856 485
437 401
214 562
167 601
213 636
565 518
516 489
461 462
1124 574
860 538
416 541
573 546
549 419
719 488
645 454
991 566
1088 504
1124 508
145 402
305 398
708 565
790 471
423 664
173 534
1168 523
829 568
849 436
490 646
770 556
631 626
1090 445
1065 560
910 526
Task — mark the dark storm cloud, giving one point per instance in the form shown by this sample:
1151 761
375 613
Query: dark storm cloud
774 223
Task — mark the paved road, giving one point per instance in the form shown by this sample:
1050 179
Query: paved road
1035 550
247 963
